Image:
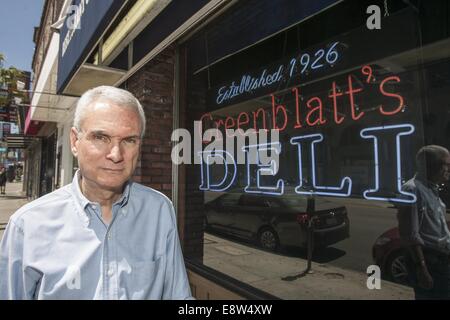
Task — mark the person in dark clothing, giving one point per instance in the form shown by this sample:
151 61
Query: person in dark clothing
423 227
11 173
2 180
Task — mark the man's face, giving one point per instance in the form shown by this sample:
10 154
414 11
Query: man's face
108 145
445 170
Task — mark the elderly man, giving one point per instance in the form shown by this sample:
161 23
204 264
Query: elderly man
423 226
102 236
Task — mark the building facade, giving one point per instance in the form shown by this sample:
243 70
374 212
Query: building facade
351 94
48 111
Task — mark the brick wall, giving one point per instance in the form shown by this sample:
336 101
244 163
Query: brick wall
153 85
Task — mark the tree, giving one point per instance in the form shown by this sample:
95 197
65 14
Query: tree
10 95
8 83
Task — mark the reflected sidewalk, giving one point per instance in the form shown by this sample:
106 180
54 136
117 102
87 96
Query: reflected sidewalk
266 271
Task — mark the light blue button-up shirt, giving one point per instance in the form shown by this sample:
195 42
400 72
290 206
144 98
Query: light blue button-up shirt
58 247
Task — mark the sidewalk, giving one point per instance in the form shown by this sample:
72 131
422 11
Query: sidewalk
10 202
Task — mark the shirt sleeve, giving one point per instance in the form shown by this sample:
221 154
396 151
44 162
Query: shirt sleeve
176 283
409 217
16 281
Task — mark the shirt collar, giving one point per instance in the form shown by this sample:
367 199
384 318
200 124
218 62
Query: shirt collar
76 190
83 201
433 186
123 200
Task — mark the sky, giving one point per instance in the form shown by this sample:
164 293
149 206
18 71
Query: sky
17 21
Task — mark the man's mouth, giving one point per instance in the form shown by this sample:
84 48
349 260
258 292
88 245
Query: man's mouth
113 170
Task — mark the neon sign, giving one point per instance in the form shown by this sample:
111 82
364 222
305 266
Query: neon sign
249 84
261 169
374 133
383 189
297 67
206 176
346 184
331 57
312 112
309 112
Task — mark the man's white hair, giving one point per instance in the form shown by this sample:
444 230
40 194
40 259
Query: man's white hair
119 97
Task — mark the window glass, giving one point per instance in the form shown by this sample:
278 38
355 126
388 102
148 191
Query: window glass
229 200
353 108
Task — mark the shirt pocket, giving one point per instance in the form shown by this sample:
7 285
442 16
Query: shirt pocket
147 279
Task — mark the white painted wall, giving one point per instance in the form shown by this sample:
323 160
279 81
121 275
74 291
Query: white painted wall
66 157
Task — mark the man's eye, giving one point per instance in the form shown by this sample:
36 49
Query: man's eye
131 141
100 138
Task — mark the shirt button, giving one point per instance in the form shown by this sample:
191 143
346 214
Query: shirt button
109 235
124 212
110 272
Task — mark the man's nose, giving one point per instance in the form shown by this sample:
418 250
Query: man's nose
115 153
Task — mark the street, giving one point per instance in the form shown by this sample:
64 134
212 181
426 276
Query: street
367 223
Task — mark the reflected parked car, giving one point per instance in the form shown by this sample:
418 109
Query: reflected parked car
275 221
389 253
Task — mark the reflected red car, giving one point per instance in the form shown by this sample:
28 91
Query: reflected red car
389 253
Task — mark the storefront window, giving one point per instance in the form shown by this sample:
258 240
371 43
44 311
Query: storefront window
352 107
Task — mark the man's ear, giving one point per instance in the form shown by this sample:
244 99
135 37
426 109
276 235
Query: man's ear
74 141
